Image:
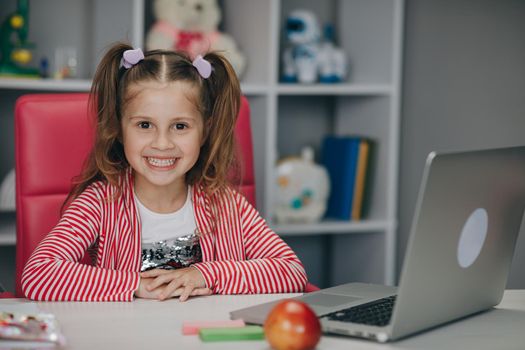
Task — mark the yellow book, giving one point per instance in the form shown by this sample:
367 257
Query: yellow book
359 185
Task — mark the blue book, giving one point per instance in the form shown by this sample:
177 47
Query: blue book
339 156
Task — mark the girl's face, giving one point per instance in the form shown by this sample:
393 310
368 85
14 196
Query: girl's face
162 132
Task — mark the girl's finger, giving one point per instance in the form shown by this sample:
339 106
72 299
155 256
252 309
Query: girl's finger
187 292
168 290
160 280
177 292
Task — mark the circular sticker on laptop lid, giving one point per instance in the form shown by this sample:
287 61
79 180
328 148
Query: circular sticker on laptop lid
472 237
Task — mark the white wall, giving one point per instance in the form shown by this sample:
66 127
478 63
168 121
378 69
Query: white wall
463 88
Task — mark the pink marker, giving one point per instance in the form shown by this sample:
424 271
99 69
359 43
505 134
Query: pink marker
193 327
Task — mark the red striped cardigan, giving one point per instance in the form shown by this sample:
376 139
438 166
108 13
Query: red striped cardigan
240 253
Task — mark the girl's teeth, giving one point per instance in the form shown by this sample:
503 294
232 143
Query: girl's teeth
161 162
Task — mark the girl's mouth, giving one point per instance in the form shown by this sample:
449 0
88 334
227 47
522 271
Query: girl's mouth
164 163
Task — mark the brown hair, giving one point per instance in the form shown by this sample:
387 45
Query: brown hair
218 102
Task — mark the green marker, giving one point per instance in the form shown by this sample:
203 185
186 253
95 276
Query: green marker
228 334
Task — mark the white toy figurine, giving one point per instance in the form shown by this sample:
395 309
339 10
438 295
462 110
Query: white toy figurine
308 60
332 60
191 26
302 189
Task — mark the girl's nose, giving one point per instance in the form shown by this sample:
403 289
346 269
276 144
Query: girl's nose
163 141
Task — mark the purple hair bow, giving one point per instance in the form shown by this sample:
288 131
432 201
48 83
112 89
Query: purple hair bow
131 58
203 66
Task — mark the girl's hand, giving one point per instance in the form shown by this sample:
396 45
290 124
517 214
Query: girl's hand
142 291
183 283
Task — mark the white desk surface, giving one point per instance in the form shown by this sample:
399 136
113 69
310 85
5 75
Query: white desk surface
146 324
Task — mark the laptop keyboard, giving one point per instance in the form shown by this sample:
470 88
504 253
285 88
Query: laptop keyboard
375 313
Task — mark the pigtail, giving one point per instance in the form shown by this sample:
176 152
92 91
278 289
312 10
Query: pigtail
106 90
106 160
105 82
225 97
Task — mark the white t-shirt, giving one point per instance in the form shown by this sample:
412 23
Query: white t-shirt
163 227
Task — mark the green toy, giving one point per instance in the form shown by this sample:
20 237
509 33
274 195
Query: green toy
15 49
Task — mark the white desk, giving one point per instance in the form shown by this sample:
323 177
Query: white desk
144 324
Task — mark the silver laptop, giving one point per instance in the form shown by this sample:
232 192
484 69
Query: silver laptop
467 220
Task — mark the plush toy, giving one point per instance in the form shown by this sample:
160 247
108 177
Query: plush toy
302 189
308 59
191 26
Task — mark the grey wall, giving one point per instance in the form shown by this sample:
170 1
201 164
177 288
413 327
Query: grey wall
463 88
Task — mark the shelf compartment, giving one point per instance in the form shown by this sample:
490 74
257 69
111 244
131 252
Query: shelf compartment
363 29
304 122
91 27
247 22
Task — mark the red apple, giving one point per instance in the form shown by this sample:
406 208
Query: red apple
292 325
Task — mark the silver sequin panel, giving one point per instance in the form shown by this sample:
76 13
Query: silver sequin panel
171 254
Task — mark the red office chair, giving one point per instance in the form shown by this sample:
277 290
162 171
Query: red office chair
54 134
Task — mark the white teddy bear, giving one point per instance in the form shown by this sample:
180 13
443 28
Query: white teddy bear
191 26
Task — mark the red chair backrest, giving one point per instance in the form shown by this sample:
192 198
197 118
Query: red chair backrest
53 135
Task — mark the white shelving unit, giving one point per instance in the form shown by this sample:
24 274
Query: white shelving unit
286 117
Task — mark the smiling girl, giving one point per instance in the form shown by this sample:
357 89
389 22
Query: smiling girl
153 205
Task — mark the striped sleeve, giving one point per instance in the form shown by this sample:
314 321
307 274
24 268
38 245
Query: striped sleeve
270 266
54 273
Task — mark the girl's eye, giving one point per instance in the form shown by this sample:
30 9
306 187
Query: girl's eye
144 125
180 126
